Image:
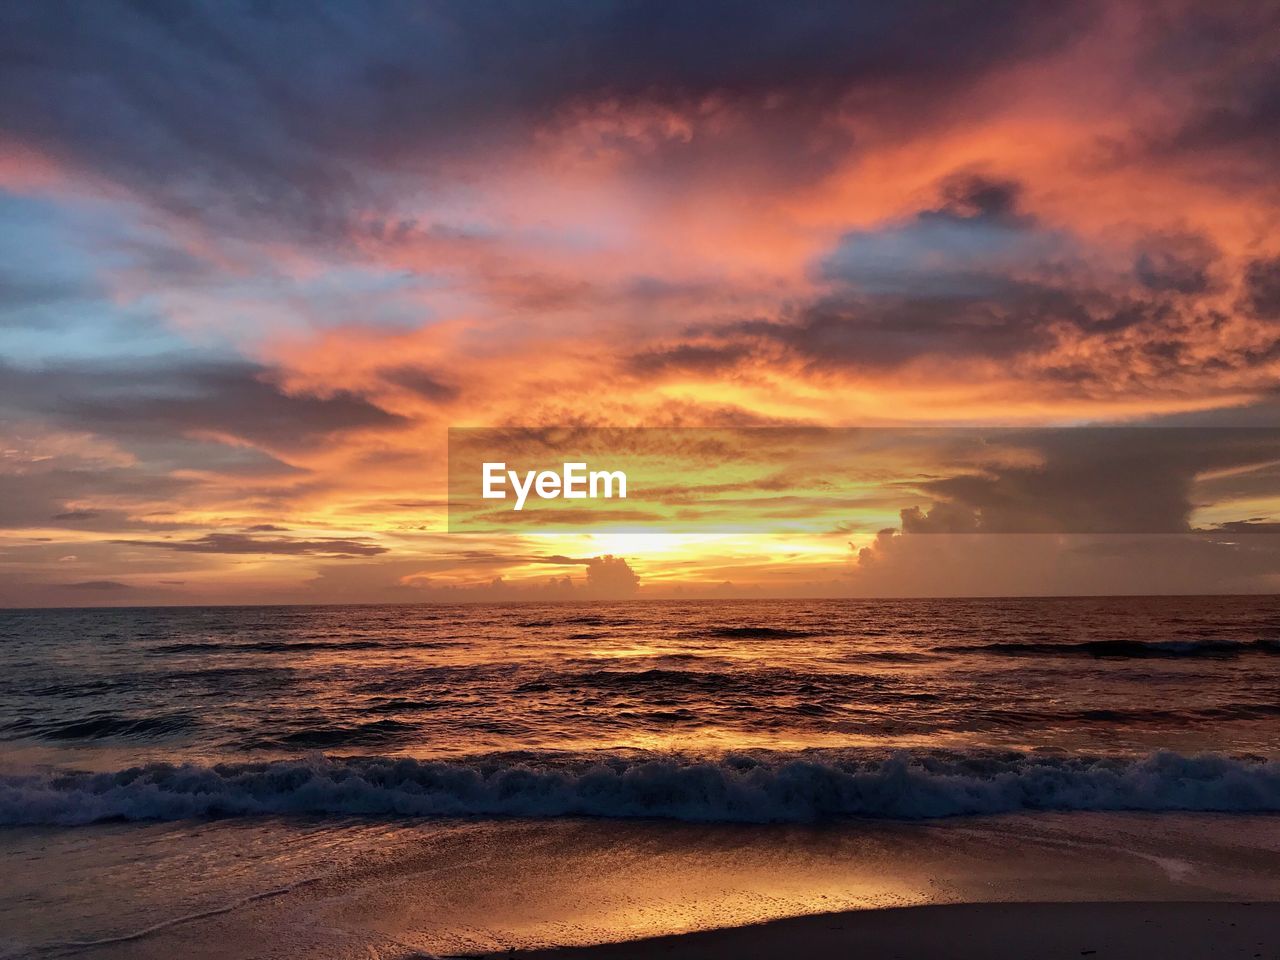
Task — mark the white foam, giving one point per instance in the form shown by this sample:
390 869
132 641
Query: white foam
796 787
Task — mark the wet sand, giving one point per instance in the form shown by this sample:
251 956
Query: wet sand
986 931
402 888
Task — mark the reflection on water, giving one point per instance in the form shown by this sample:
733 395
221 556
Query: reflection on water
102 688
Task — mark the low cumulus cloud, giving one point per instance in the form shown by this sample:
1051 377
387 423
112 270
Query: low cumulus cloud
1148 479
1101 511
1055 565
607 576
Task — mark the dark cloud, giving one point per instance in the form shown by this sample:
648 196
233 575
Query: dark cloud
886 332
1105 511
43 495
276 113
958 278
424 383
1223 56
687 358
1139 339
1262 288
1097 480
977 274
98 586
238 543
76 515
181 397
1176 262
965 248
1252 525
969 197
941 518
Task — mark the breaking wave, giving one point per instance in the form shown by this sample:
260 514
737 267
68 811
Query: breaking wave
736 788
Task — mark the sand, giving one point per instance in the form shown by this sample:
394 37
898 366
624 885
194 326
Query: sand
1042 885
982 931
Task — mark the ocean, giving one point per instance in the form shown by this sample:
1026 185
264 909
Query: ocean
409 781
741 711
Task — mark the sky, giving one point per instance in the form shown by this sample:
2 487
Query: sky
257 258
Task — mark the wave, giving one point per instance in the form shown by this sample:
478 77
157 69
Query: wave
892 656
583 620
736 788
1122 649
318 738
75 690
99 726
765 683
757 633
297 646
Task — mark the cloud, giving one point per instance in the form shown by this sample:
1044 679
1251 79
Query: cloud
1177 263
687 358
262 254
1252 525
424 383
1262 288
291 119
978 276
1219 59
238 543
76 515
967 247
968 278
37 495
611 577
977 565
607 576
1096 480
182 396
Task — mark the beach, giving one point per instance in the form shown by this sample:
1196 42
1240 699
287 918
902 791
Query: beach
1052 931
915 778
615 479
313 887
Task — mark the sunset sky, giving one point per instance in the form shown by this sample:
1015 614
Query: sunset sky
257 258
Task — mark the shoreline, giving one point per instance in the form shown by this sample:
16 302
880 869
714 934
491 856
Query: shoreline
1171 930
395 889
